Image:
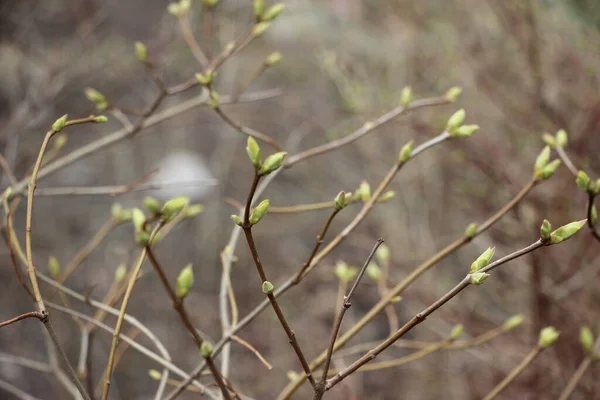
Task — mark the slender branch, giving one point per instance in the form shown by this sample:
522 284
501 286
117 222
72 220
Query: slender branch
247 345
514 373
190 40
346 304
6 168
562 154
420 317
246 130
31 314
581 370
18 393
364 130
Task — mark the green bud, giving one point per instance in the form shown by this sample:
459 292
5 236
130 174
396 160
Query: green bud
142 238
551 168
457 330
185 281
8 193
594 215
513 321
406 96
116 211
340 200
214 99
138 218
272 162
60 141
478 278
53 267
453 94
471 230
253 151
396 299
205 79
174 9
273 12
597 186
545 230
141 52
586 338
120 273
126 215
259 8
173 207
100 119
549 140
154 374
267 287
483 260
364 191
561 138
456 120
390 194
59 124
383 254
292 375
406 151
273 58
548 336
152 205
583 180
259 29
465 131
210 3
97 98
343 272
374 271
193 210
206 349
238 221
259 212
565 232
541 161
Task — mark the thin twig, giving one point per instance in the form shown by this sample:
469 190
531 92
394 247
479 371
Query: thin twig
246 130
346 304
581 370
31 314
18 393
247 345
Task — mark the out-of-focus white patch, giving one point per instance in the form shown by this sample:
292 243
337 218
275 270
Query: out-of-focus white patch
183 173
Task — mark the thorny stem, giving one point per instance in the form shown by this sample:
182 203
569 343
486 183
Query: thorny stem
346 304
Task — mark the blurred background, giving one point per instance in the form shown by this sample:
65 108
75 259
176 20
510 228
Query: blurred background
526 67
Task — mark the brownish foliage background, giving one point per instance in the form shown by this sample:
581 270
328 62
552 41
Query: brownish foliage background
526 67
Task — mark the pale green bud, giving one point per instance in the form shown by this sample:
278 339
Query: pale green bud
53 267
383 254
152 205
126 215
120 273
453 93
550 169
594 215
273 58
259 29
561 138
583 181
97 98
483 260
238 221
185 5
541 161
272 162
59 124
206 349
60 140
267 287
193 210
141 52
456 120
273 12
340 200
406 152
253 151
154 374
514 321
586 338
185 281
100 119
173 207
478 278
116 210
545 230
206 78
138 218
457 330
214 99
471 230
292 375
374 271
210 3
343 272
142 238
259 8
390 194
364 191
548 336
465 131
549 140
406 96
259 212
565 232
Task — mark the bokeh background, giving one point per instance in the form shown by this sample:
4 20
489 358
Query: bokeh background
526 67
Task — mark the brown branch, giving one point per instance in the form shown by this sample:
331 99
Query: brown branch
31 314
247 131
581 370
247 345
590 222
